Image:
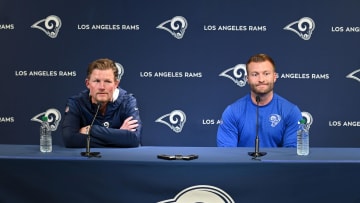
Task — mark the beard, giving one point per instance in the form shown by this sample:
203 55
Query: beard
100 98
262 89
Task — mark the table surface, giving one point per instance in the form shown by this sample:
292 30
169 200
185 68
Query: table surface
206 154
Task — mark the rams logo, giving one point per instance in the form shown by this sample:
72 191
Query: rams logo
353 75
303 27
237 74
50 25
274 119
54 118
201 193
120 70
176 26
308 118
174 120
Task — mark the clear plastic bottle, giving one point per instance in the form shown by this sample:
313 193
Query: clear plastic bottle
303 138
45 136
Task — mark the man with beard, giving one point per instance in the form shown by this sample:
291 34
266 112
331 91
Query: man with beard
278 118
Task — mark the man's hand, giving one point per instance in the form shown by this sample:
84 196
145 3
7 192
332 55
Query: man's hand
84 130
130 124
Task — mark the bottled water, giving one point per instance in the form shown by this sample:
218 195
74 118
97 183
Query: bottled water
303 138
45 136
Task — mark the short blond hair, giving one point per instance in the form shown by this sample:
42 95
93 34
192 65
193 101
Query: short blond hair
103 64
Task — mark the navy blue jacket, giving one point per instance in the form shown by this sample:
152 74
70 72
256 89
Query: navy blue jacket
106 130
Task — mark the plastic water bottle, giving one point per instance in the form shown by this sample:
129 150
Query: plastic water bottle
45 136
303 138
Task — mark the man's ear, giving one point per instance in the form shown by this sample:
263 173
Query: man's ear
87 82
275 77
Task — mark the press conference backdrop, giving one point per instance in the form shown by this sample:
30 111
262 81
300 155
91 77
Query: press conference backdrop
183 60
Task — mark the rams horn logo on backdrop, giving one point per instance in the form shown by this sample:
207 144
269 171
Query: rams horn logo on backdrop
308 118
237 74
352 75
174 120
176 26
305 27
120 70
50 25
201 193
54 118
117 91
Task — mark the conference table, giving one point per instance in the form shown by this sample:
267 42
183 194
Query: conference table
137 175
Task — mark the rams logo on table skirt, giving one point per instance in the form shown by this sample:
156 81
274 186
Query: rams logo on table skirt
201 193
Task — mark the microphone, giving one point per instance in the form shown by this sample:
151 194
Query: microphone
256 153
87 153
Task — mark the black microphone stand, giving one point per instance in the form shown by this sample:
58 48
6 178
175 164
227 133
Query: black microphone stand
256 153
87 153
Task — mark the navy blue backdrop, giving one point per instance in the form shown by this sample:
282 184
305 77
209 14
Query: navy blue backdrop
182 58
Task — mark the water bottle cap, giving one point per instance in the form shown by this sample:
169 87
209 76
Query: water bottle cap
44 118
